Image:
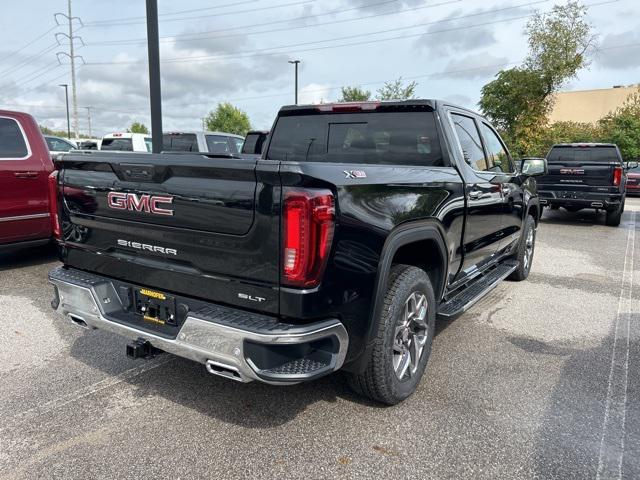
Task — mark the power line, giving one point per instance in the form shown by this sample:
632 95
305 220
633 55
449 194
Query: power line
259 52
329 88
28 60
236 12
200 35
168 14
6 57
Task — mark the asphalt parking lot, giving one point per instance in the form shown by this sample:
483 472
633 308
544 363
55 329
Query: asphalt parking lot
541 379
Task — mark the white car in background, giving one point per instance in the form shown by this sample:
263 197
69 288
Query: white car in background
126 142
205 142
59 145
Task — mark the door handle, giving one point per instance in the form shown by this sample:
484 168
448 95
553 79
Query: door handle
475 194
26 174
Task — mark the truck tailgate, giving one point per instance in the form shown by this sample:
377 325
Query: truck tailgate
190 224
578 173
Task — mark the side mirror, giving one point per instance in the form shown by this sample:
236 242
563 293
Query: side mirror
631 165
533 167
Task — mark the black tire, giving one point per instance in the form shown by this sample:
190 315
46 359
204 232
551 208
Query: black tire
523 254
379 381
614 216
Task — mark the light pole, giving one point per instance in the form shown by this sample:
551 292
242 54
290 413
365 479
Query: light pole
155 97
295 63
66 96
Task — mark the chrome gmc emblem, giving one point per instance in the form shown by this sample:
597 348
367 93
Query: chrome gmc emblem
572 171
139 203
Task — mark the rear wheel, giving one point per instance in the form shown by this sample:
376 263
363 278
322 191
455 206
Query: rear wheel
614 216
524 254
403 344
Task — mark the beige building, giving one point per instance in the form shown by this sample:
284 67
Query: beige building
588 106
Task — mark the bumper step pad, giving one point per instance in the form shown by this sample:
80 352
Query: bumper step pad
475 290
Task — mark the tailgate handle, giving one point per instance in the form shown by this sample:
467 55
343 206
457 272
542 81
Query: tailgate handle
26 174
137 172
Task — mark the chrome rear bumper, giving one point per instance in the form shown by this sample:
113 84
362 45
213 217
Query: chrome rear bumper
242 346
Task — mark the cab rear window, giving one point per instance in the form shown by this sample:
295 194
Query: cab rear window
179 142
584 154
121 144
12 143
395 138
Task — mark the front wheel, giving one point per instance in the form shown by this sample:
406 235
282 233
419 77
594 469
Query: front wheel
403 344
524 254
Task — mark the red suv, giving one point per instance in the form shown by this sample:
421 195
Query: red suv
25 168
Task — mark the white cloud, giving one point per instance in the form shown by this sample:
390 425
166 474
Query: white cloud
314 93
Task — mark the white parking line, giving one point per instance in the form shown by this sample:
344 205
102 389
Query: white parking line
613 428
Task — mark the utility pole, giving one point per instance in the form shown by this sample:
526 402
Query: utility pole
72 59
89 121
66 96
155 95
295 63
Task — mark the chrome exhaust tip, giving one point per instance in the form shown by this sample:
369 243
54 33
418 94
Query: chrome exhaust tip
226 371
79 321
597 204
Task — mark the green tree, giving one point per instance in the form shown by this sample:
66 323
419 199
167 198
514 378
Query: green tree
229 119
565 132
138 127
558 43
354 94
622 127
397 90
518 100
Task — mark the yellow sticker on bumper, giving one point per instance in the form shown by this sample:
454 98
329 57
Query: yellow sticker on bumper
152 294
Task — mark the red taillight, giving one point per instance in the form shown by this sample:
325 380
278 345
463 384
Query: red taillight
617 176
308 217
53 205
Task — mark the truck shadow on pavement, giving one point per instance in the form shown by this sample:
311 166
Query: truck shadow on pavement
582 218
27 257
187 383
569 438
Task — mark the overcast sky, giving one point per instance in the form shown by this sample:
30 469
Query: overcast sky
237 51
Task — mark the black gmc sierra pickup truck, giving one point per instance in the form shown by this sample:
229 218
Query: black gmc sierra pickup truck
337 249
585 175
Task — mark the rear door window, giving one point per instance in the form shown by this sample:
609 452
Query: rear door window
12 142
470 142
392 138
218 144
120 144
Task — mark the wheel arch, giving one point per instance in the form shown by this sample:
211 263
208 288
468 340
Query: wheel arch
405 245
